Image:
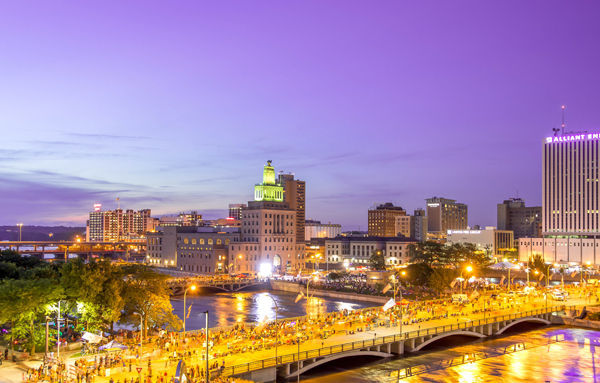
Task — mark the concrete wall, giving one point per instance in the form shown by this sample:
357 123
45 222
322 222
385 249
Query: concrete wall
295 288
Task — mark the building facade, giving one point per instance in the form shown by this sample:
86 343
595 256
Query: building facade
357 251
316 229
570 200
118 225
419 225
382 220
268 232
445 214
294 193
201 250
404 226
494 242
235 210
524 221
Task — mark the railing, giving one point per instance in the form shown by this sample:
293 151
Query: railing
358 345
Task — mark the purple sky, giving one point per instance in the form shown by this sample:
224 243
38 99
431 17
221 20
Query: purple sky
177 105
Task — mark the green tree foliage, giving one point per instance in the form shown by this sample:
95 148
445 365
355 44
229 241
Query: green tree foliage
441 278
418 273
436 254
146 293
377 260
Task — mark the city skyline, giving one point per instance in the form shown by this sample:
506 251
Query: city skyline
180 112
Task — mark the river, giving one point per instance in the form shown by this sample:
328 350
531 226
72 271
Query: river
550 354
226 309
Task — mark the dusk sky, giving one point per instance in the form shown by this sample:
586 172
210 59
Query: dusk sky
177 105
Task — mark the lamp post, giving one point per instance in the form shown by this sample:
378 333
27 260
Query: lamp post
20 227
276 328
469 268
206 332
193 288
141 329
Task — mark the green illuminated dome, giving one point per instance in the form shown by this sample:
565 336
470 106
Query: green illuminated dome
269 190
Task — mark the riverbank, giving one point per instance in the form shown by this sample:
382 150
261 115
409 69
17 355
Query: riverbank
296 288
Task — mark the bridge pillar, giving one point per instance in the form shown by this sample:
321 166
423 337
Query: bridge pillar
397 347
287 369
388 348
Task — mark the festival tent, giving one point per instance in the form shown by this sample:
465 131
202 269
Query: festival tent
112 346
504 266
92 338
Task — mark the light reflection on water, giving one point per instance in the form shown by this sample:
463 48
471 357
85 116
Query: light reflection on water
572 359
226 309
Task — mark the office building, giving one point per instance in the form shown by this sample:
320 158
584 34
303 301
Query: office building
382 220
492 241
570 201
404 226
316 229
419 225
524 221
355 252
194 249
182 219
445 214
268 232
294 193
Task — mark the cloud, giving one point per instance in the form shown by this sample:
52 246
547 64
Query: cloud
96 136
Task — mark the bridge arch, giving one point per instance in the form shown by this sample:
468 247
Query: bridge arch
445 335
522 320
331 358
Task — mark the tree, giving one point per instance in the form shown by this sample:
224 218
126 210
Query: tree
537 263
429 252
377 260
146 293
441 278
418 273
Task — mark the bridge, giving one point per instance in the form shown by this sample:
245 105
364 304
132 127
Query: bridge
291 365
228 284
41 248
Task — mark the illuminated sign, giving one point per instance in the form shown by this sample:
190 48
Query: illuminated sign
464 231
573 137
97 206
433 204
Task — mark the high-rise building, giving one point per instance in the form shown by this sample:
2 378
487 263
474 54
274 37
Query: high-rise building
235 210
403 226
570 187
524 221
294 193
445 214
182 219
382 220
268 232
419 225
570 201
118 225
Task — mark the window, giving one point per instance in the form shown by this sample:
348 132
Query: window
193 241
186 240
202 241
210 241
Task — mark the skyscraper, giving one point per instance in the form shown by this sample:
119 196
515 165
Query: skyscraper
445 214
570 187
570 206
294 193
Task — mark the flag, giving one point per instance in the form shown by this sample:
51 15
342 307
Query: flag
474 295
189 311
300 296
542 277
453 283
389 304
501 281
574 273
387 288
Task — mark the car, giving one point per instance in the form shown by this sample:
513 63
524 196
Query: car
558 296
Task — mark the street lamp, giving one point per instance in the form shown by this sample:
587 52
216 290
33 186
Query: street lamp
206 332
20 227
193 288
397 282
141 330
276 328
468 269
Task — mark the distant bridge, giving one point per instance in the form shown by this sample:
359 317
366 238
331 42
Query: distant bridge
291 365
41 248
228 285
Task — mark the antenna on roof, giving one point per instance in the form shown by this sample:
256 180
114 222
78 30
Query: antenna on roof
562 126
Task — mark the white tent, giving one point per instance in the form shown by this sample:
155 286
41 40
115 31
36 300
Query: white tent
92 338
504 266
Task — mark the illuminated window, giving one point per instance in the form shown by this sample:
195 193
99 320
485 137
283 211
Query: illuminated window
193 241
202 241
186 241
210 241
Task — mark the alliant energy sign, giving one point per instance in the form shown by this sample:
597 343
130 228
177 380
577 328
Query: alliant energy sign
573 137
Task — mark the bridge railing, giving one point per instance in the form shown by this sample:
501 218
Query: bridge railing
358 345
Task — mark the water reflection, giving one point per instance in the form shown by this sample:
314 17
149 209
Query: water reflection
226 309
555 354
